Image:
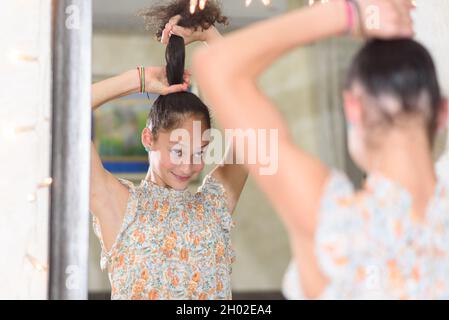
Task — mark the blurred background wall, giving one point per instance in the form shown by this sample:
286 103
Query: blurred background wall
432 29
25 142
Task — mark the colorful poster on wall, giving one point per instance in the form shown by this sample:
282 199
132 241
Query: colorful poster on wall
117 129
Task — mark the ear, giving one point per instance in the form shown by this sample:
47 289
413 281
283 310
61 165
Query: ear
352 107
147 138
443 115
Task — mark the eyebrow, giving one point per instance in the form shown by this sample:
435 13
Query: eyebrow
182 145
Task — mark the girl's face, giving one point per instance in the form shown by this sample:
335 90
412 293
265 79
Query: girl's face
176 156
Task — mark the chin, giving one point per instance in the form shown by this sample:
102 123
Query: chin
179 185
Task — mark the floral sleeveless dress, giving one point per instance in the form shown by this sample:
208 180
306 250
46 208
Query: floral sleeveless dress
172 244
370 247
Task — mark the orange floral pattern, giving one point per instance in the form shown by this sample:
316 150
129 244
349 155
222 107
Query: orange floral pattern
172 244
370 246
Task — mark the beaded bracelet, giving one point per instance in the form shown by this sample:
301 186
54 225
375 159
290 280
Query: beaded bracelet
141 70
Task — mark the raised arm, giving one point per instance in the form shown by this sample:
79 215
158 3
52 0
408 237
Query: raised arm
227 72
108 197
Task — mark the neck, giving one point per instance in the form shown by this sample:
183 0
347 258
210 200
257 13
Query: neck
406 158
154 178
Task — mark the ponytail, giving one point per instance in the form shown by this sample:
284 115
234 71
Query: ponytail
175 56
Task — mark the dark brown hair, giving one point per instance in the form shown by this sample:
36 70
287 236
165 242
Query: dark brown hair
159 15
169 111
403 69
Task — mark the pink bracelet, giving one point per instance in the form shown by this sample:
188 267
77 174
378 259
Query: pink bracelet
350 14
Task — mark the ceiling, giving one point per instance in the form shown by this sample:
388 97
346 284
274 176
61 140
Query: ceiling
119 16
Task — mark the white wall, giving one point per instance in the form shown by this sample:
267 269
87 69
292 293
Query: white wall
25 77
432 27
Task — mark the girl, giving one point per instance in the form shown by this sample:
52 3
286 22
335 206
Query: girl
389 239
158 240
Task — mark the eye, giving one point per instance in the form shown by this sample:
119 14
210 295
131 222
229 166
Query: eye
177 153
199 154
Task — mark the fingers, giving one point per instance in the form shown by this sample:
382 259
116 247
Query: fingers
409 23
188 35
182 32
176 30
405 22
176 88
172 28
167 32
186 79
187 76
394 16
406 27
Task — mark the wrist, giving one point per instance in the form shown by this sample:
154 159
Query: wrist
131 81
137 83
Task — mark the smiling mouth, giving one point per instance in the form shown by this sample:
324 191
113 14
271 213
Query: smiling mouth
181 178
